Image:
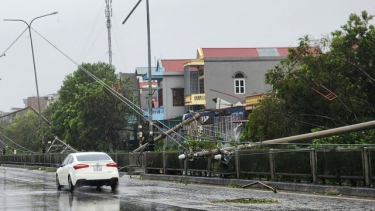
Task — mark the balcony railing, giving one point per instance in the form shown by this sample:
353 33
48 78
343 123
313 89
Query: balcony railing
157 113
195 99
253 100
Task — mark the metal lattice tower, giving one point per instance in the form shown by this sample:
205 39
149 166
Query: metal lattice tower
108 15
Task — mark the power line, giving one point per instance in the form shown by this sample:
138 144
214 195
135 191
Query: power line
107 87
91 33
15 143
13 43
5 145
91 45
117 45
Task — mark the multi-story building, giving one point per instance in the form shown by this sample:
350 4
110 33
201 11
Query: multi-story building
169 92
220 79
44 101
228 73
217 81
51 98
33 102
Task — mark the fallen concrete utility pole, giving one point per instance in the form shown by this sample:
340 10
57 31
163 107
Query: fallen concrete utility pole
303 137
24 109
63 146
174 129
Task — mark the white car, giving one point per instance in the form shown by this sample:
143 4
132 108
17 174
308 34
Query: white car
87 169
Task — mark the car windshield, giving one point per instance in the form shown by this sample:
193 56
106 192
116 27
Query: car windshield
93 157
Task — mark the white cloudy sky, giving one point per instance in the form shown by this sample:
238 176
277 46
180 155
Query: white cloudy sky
178 28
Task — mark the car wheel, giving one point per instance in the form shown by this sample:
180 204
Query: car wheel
71 186
58 183
114 186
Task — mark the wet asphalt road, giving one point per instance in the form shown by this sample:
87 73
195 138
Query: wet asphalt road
22 189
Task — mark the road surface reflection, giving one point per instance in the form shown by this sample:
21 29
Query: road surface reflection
89 201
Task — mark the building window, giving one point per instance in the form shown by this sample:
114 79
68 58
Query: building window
201 86
239 83
201 80
239 86
178 97
160 97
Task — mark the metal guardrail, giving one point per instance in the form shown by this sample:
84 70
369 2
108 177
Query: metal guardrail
353 167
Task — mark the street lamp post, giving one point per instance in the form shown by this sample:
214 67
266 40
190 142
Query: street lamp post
149 64
149 71
36 79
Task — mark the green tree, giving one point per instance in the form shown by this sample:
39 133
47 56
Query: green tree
87 116
25 131
324 83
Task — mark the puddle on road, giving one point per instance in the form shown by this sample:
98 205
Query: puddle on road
91 199
146 206
81 201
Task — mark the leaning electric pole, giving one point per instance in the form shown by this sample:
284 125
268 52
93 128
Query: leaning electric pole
108 14
149 65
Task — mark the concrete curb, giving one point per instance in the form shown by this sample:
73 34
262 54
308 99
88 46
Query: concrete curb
295 187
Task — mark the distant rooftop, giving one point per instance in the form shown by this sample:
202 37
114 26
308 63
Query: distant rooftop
241 52
174 65
143 70
144 84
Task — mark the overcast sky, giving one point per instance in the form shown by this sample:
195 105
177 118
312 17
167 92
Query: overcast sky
178 28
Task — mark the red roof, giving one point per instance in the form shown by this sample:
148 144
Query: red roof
229 52
174 65
244 52
283 51
145 83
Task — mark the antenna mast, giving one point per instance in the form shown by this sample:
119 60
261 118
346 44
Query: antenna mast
108 14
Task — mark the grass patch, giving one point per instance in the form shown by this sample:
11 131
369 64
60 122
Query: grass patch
43 169
249 201
234 186
185 182
35 168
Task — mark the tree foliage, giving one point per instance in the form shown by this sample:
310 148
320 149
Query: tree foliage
25 131
323 83
87 116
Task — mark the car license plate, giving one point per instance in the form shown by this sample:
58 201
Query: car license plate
97 168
